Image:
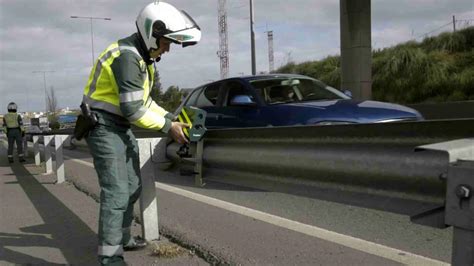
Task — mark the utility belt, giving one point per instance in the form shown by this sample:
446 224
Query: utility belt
11 130
112 120
90 118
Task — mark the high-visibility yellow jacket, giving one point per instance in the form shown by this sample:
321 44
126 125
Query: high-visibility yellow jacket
120 83
12 120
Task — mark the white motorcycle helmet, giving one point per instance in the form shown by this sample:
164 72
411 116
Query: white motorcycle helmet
160 19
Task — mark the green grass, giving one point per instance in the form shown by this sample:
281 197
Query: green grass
437 69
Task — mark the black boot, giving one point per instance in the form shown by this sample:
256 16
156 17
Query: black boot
135 243
10 159
22 160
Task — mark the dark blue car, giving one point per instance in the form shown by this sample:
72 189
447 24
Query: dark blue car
67 119
286 100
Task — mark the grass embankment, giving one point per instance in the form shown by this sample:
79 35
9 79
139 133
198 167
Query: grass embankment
437 69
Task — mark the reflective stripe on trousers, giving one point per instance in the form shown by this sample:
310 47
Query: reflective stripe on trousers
110 251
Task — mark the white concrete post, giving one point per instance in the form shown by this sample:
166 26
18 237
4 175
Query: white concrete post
67 141
148 201
159 155
58 147
47 154
25 146
36 150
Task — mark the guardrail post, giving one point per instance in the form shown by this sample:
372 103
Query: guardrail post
36 150
459 204
159 158
460 211
198 164
67 141
25 146
47 154
148 201
58 147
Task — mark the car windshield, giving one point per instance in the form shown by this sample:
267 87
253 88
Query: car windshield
288 90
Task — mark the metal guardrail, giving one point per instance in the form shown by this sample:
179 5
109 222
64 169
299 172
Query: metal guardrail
368 160
446 110
458 209
375 161
379 157
355 157
429 129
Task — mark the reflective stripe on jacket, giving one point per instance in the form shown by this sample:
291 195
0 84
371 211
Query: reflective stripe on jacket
120 83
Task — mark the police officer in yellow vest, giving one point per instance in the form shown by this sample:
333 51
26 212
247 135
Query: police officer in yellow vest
118 92
13 126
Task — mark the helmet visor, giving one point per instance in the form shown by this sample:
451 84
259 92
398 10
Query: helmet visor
190 23
190 35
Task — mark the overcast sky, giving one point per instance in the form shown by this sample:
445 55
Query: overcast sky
39 35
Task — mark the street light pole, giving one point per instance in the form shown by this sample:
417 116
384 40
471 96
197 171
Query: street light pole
92 42
92 31
45 91
252 39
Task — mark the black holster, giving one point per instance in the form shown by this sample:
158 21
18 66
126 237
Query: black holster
85 122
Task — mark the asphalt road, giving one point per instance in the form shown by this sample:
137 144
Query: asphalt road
43 223
239 225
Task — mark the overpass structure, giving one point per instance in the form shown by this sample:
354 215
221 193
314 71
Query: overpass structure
356 48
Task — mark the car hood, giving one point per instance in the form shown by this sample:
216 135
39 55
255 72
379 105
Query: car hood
356 111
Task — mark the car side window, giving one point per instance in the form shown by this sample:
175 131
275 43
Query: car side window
209 96
312 90
234 89
192 98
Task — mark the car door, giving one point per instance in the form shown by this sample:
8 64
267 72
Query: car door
239 115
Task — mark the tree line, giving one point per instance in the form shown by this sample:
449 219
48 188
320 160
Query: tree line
169 99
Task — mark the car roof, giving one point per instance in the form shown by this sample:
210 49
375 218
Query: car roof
276 75
257 77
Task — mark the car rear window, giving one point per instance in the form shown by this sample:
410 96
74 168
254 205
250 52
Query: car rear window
209 96
192 98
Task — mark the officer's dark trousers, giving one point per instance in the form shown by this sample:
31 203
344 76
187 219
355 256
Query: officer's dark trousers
115 153
14 136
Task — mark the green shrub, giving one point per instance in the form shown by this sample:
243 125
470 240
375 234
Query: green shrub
437 69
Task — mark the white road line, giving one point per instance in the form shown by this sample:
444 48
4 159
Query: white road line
344 240
79 161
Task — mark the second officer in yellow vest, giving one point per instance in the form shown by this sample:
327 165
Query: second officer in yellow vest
13 126
118 91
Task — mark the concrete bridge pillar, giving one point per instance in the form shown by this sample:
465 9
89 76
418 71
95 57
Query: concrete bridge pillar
356 48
